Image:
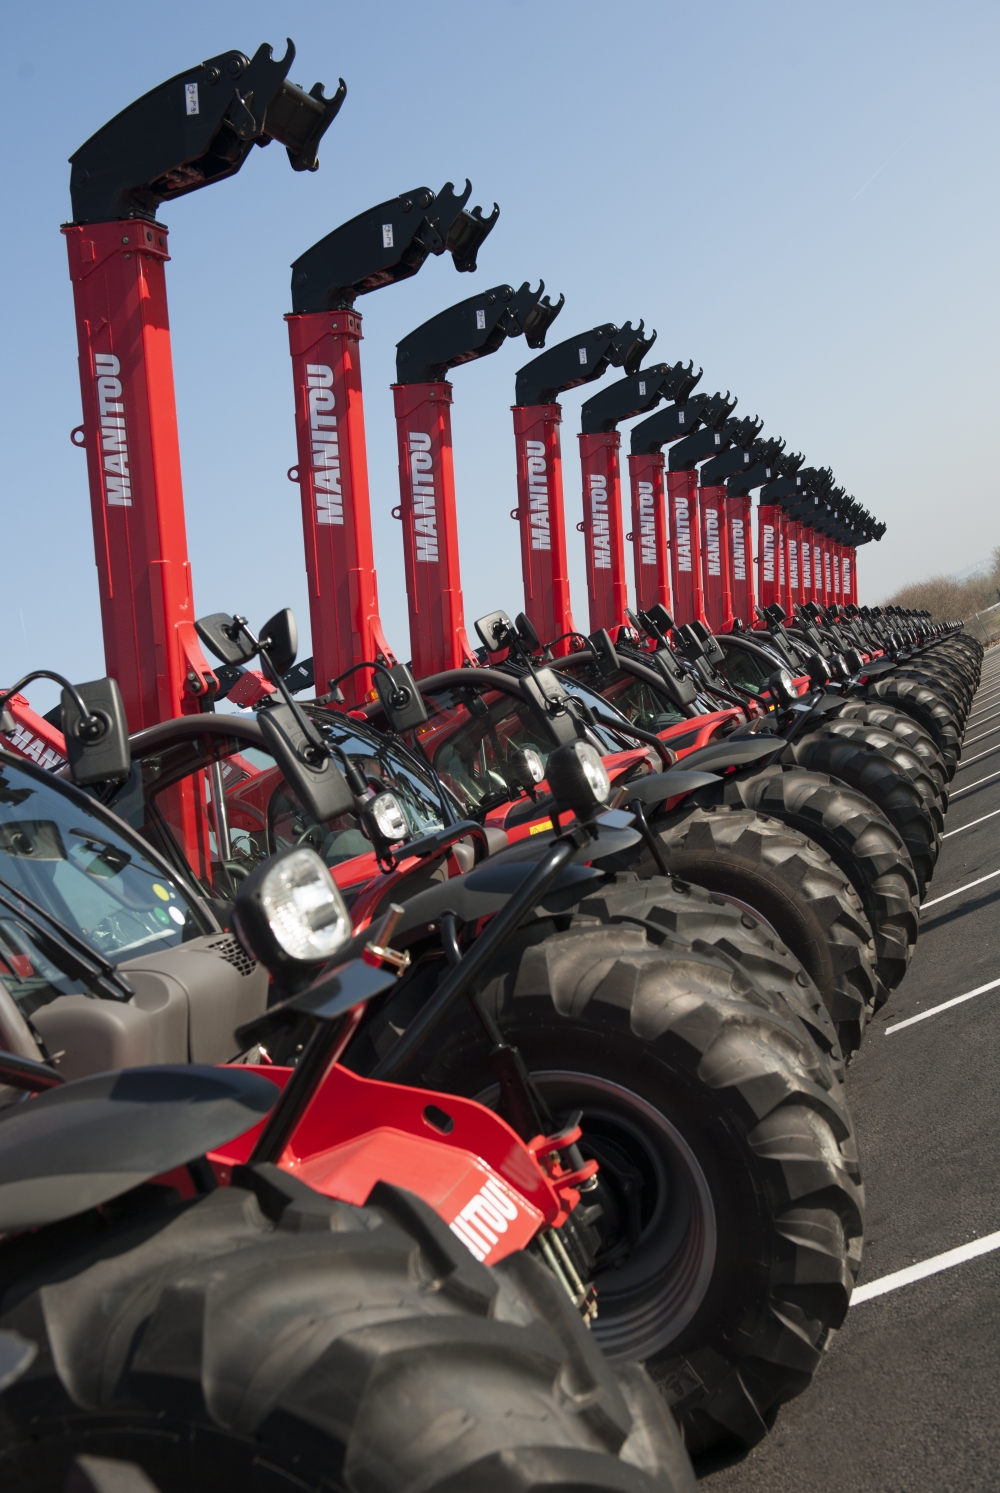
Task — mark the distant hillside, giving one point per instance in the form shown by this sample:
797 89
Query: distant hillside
953 598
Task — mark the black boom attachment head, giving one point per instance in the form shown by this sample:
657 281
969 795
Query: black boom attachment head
389 242
626 398
579 360
473 329
196 128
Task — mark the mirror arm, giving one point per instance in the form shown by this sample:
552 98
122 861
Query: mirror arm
90 725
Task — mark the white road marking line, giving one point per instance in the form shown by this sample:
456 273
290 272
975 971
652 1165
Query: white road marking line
983 705
970 824
968 786
970 739
976 758
923 1268
944 1006
966 888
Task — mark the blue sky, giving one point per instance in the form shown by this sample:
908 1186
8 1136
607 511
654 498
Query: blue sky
802 198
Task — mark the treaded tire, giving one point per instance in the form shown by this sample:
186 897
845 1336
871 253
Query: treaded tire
898 752
299 1343
870 772
906 729
794 886
951 698
926 709
856 835
732 1292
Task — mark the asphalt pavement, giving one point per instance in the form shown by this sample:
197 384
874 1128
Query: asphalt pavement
908 1397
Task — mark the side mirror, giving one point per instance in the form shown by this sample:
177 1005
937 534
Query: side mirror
552 707
660 617
494 631
526 632
604 649
279 639
103 752
223 636
319 785
402 702
290 914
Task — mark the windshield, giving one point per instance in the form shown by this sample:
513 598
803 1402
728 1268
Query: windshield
473 733
635 699
748 671
68 860
216 805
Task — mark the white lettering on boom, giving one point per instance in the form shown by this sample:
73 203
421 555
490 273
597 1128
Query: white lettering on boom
425 531
538 495
324 443
600 526
738 541
114 439
713 550
647 524
682 533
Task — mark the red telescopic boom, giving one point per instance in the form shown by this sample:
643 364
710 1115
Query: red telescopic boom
196 128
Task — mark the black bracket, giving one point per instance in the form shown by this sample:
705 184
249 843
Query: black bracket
710 440
196 128
387 243
580 360
679 419
472 329
626 398
762 457
742 434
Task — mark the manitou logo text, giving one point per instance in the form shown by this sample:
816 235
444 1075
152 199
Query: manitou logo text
767 557
713 552
647 524
836 575
482 1221
827 571
738 541
805 552
682 533
325 446
424 504
781 563
793 564
538 496
600 527
845 576
29 745
114 440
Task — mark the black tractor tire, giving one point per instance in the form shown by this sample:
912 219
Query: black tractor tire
857 836
926 709
724 1146
265 1337
867 770
678 914
795 887
951 698
906 730
898 752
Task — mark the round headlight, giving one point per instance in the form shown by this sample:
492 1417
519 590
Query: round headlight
534 764
388 817
578 777
305 912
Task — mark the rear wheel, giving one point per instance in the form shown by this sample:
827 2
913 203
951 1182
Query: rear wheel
898 752
732 1201
926 709
287 1341
795 887
866 769
907 731
856 835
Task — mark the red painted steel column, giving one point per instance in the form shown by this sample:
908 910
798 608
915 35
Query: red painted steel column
685 549
849 575
715 558
134 467
740 531
430 528
542 517
607 585
650 546
782 523
336 508
794 543
806 562
838 594
768 553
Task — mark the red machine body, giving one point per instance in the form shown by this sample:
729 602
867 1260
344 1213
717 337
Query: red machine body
685 547
336 511
768 553
133 462
541 514
607 584
649 534
430 528
715 558
35 737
